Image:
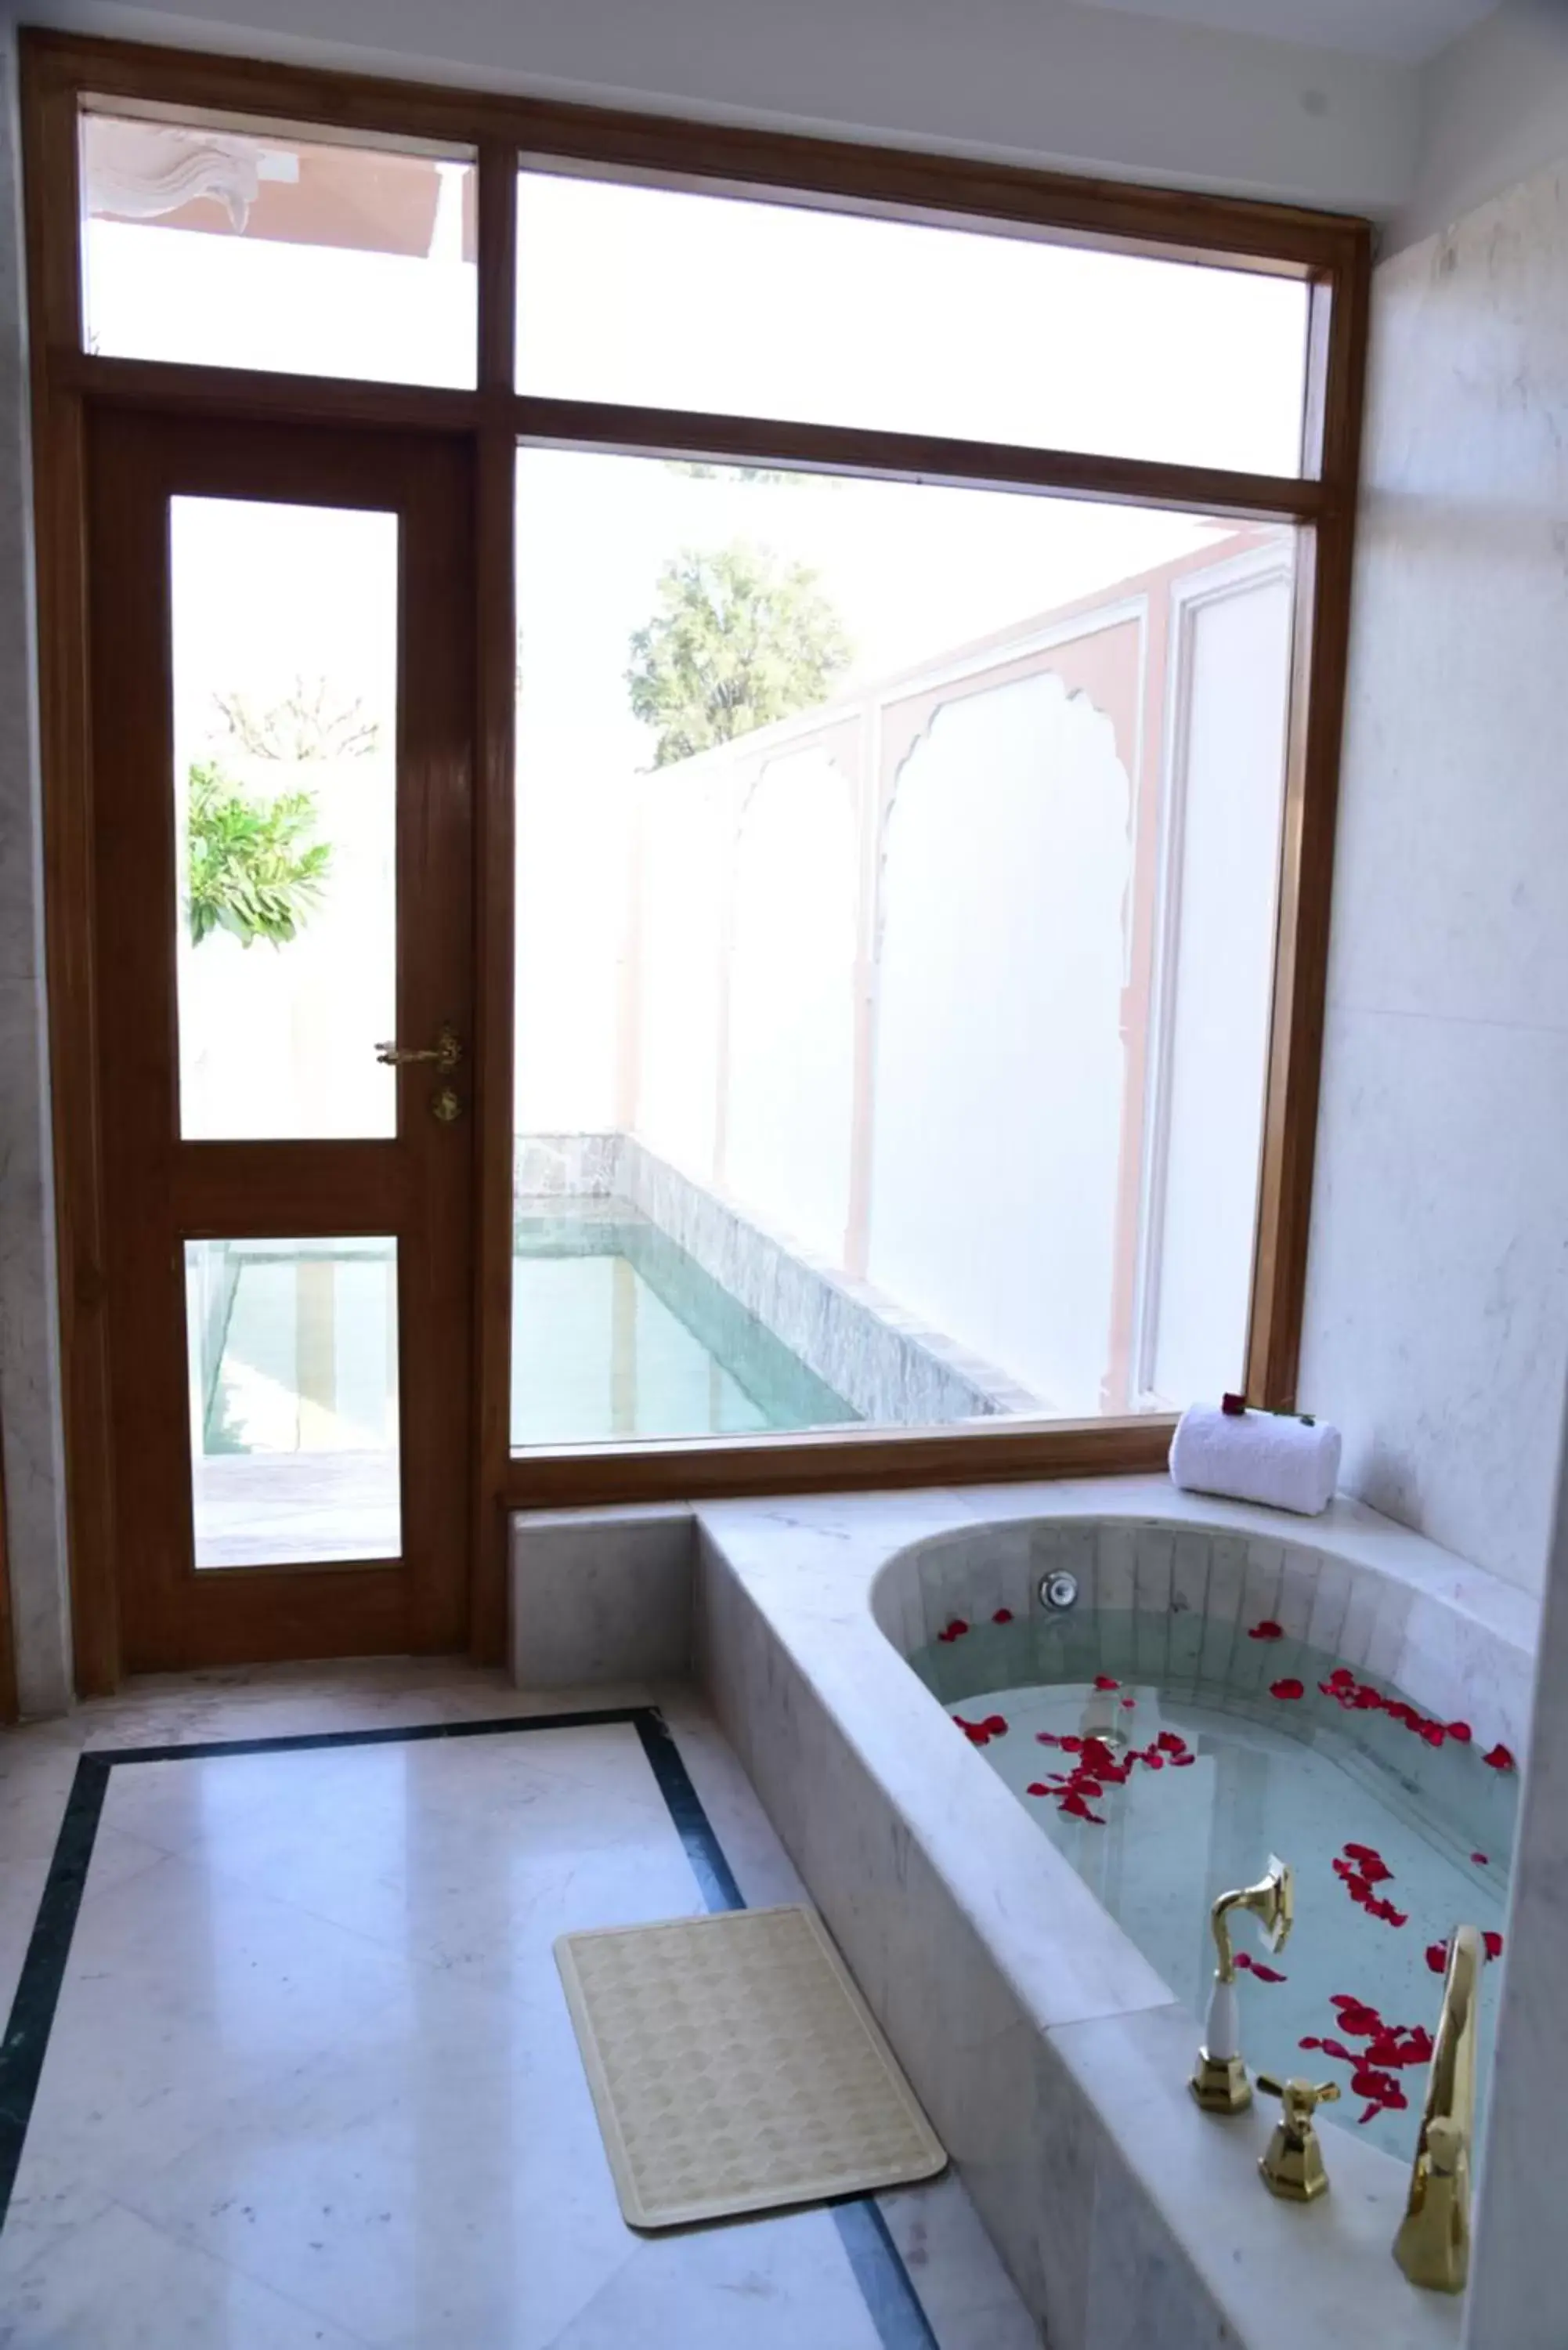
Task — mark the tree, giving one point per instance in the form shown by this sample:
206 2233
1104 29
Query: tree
740 637
305 724
254 870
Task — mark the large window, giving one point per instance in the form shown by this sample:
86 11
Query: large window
898 864
896 897
839 862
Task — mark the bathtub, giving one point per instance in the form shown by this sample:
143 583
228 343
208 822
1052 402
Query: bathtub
1052 2055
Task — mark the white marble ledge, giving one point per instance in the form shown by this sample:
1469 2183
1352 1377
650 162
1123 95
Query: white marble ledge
869 1529
1277 2272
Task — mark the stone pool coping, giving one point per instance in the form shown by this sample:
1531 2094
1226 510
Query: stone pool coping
1049 2053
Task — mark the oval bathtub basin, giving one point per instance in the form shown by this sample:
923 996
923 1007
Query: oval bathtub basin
1166 1764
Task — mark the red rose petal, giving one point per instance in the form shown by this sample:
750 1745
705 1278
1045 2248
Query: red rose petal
957 1629
1153 1762
1104 1681
1035 1788
1438 1957
1461 1731
1499 1759
1287 1689
1370 2115
1129 1703
1310 2042
1267 1974
1267 1630
1182 1762
1361 1852
1002 1616
995 1724
1047 1738
1480 1860
1170 1741
1493 1946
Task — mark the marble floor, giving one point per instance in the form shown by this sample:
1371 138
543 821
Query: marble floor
307 2073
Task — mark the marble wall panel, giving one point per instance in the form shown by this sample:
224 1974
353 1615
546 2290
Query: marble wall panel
30 1423
1436 1313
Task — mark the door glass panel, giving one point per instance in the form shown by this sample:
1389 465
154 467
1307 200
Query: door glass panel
285 727
831 317
292 1347
248 245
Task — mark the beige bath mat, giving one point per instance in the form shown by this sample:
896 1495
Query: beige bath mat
734 2067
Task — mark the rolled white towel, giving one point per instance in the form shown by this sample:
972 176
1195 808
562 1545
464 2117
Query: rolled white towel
1256 1456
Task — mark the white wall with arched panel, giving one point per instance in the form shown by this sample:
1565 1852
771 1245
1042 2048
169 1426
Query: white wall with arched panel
999 1061
792 1002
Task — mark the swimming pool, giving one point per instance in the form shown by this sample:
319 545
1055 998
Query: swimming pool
618 1334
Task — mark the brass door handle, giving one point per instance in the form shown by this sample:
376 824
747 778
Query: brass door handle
446 1053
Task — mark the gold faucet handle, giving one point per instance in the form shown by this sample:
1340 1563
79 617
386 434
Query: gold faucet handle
1302 2097
1293 2166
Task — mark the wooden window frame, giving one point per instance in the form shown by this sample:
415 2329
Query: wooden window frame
1331 254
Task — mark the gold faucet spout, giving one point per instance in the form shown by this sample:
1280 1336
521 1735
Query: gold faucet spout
1433 2245
1273 1901
1219 2081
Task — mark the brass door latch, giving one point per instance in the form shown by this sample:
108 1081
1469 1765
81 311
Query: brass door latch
445 1052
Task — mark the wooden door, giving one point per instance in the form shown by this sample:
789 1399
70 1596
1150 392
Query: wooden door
281 668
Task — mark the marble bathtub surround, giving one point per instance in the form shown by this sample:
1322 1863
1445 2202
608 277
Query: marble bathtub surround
1455 1639
601 1596
309 2034
1050 2056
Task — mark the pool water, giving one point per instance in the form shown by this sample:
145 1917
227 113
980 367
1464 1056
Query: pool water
1301 1777
617 1333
